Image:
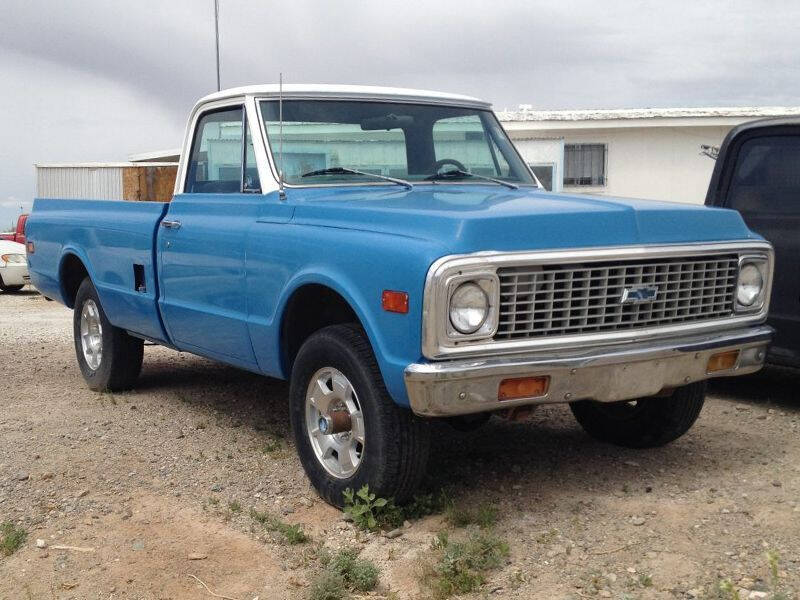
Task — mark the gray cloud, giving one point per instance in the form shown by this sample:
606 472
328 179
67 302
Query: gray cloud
99 79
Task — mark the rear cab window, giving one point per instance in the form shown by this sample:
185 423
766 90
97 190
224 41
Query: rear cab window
766 176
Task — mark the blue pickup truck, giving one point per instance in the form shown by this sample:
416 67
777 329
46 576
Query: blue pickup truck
391 254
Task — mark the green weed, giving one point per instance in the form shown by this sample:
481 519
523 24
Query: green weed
484 516
11 538
460 567
426 504
370 512
726 590
272 446
327 586
292 534
343 572
358 574
772 564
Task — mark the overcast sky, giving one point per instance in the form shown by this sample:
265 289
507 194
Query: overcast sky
96 80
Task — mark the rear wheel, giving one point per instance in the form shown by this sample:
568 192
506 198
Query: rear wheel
347 429
108 357
642 423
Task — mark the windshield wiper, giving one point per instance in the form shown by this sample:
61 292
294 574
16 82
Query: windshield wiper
346 171
457 173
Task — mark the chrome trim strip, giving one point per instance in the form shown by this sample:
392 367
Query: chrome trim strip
756 307
395 99
606 374
435 342
492 291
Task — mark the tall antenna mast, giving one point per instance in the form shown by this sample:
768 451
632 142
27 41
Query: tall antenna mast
216 37
281 190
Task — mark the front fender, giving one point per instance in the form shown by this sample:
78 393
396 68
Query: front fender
357 265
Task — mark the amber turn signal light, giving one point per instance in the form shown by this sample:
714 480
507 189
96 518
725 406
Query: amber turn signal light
30 248
396 302
523 387
722 361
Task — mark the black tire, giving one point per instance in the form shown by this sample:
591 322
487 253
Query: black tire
396 442
643 423
121 359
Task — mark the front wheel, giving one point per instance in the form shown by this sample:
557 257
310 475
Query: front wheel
642 423
109 358
347 429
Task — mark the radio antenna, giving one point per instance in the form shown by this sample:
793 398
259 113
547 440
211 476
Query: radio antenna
281 190
216 37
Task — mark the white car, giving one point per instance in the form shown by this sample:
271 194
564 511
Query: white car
13 266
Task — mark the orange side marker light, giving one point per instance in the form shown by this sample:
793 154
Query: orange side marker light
722 361
396 302
523 387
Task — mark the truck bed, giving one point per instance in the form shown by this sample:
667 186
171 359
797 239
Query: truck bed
116 242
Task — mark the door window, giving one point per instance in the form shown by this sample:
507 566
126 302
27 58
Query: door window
766 178
215 165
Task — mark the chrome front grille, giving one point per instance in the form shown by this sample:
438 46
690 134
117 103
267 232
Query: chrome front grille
548 300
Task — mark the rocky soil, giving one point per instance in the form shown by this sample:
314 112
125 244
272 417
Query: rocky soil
151 487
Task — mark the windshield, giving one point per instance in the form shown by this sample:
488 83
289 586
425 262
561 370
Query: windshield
326 141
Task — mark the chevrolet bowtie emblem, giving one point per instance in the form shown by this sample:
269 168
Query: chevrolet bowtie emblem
638 295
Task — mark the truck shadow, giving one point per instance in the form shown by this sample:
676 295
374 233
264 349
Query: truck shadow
548 459
772 385
551 460
235 397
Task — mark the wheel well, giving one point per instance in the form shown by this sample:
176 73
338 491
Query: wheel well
310 308
71 274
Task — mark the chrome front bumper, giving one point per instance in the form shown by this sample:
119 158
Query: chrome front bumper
606 374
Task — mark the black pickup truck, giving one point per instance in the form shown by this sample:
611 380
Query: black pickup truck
758 174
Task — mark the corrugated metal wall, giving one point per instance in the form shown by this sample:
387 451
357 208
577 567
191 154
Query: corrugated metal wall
98 183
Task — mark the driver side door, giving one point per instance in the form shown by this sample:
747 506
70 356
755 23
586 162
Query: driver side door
202 241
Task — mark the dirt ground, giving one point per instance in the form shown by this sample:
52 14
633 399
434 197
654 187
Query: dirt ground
144 482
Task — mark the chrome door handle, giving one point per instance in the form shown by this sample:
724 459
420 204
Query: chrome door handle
171 224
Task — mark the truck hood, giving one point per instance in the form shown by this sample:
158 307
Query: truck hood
470 218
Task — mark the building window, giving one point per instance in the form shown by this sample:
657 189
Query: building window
585 164
544 173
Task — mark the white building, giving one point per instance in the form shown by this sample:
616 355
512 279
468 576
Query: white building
644 153
662 154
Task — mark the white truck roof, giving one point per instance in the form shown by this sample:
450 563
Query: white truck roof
295 90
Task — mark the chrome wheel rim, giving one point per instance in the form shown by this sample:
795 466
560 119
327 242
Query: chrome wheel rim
329 392
91 335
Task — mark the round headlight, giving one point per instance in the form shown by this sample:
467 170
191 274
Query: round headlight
469 307
750 285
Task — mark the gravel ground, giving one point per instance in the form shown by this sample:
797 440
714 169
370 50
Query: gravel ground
155 485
